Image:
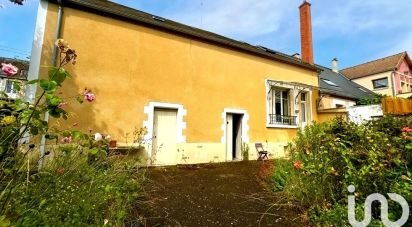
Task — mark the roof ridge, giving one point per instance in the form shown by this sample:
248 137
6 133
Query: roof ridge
401 59
373 61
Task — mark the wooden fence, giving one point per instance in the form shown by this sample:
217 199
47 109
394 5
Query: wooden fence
397 106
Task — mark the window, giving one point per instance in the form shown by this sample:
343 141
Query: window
10 88
406 72
303 111
330 83
280 107
380 83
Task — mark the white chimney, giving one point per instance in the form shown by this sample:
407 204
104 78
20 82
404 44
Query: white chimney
335 65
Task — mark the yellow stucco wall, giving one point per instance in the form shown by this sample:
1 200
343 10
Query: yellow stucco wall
330 102
128 66
367 83
327 116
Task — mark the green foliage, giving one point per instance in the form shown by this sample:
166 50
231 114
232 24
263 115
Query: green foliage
283 172
328 157
69 191
375 99
245 151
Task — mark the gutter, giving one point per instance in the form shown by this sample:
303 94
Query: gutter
54 63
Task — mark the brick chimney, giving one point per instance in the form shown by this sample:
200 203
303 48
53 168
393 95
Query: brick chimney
306 43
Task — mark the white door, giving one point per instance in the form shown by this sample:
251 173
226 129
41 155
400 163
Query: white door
229 137
164 137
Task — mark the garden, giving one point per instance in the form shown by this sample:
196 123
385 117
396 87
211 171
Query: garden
75 181
329 161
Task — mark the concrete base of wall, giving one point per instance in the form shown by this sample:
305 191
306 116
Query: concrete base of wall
196 153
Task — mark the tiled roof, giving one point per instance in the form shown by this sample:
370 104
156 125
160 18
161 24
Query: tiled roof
336 84
374 67
114 10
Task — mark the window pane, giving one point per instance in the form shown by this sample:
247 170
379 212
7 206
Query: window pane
380 83
303 112
303 96
285 103
9 86
278 102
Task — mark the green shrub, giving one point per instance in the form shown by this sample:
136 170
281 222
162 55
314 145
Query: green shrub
69 191
328 157
283 172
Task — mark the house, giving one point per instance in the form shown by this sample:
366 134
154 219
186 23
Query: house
386 76
337 93
8 84
200 95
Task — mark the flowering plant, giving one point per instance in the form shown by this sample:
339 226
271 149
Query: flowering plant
8 69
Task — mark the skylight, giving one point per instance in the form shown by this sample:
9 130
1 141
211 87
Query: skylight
330 83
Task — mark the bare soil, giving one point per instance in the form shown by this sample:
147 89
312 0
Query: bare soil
226 194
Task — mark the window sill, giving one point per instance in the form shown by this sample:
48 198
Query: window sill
382 88
281 126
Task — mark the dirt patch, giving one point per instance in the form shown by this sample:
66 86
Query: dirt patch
228 194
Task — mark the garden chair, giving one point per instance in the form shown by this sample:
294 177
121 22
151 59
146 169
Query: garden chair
262 153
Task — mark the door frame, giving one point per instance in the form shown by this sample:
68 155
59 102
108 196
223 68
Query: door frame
156 146
244 125
148 124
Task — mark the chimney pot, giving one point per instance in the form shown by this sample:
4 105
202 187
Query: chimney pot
335 67
297 55
306 32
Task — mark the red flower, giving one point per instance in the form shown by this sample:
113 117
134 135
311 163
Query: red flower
60 171
406 129
297 165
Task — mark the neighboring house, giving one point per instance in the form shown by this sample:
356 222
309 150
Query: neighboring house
200 95
387 76
8 84
337 92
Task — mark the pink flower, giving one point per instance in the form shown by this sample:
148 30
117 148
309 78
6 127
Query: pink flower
89 96
8 69
61 105
67 139
297 165
406 129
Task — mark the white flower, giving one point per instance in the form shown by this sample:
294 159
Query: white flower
108 137
98 137
106 221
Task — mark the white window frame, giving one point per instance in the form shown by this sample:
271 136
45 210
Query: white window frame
294 104
292 94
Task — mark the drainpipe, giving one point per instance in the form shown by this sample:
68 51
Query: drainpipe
54 63
393 84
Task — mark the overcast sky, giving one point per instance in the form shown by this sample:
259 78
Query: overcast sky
353 31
